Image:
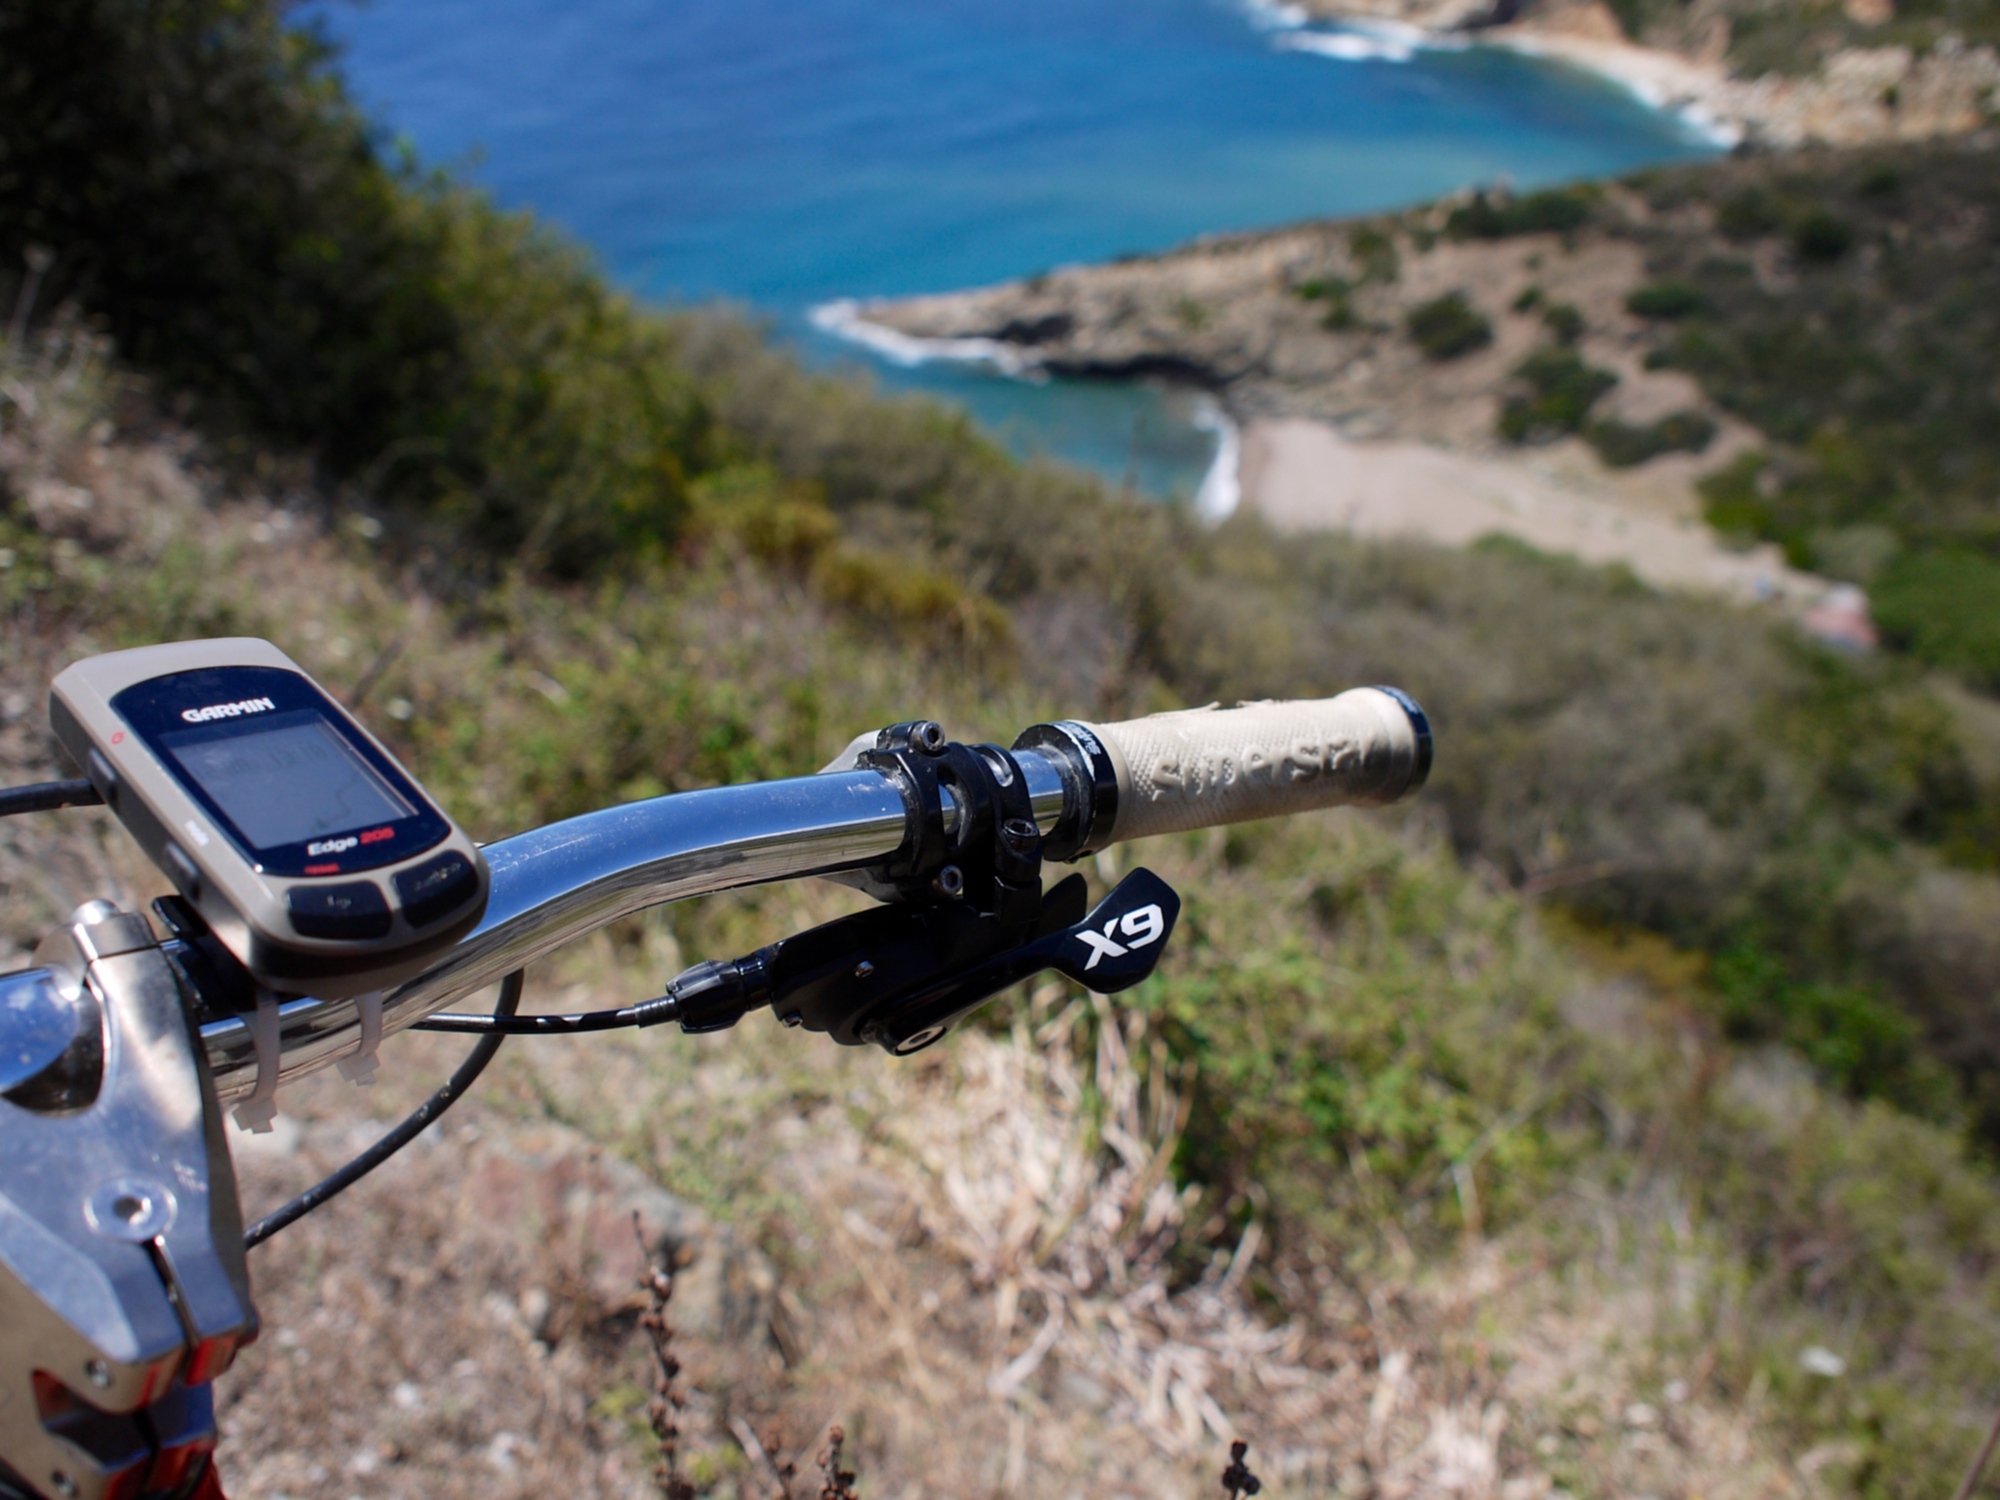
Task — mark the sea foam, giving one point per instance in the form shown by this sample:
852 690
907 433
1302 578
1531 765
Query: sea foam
1370 41
1275 15
1222 486
843 318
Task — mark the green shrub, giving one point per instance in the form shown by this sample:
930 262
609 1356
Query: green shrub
1552 211
1622 445
1561 391
1564 322
1337 293
1943 607
1862 1046
1666 300
1374 251
220 204
1748 214
1448 326
1820 238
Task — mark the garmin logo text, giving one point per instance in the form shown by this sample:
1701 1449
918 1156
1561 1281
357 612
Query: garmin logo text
228 710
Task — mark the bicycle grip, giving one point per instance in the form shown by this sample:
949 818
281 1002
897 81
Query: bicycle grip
1199 767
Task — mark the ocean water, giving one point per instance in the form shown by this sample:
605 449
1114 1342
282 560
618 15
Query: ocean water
787 153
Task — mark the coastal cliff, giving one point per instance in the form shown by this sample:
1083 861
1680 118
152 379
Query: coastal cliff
1309 321
1781 76
1737 342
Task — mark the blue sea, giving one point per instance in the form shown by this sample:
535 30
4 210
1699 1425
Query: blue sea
782 154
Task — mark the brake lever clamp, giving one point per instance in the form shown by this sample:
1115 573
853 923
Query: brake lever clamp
991 860
965 915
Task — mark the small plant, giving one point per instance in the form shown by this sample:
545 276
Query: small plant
1747 215
1448 326
1237 1478
1564 321
1191 313
1665 300
1561 391
663 1411
839 1483
1943 607
1529 300
1375 253
1337 293
1819 238
1623 445
1553 211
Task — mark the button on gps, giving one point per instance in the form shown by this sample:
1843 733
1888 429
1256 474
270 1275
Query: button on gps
435 888
354 910
182 870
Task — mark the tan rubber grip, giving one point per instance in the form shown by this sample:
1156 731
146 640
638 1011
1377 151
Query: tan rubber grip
1203 766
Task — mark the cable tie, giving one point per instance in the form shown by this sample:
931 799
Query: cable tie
358 1067
257 1113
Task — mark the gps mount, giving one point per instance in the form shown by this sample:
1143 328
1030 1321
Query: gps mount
966 915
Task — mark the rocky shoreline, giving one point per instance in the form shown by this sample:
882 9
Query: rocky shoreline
1346 421
1855 95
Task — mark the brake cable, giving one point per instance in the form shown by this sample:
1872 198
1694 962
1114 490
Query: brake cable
418 1121
47 796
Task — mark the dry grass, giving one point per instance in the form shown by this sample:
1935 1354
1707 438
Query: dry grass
978 1284
986 1274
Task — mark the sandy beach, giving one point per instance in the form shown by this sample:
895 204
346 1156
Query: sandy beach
1302 475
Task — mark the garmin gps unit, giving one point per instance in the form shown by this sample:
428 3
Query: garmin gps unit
315 858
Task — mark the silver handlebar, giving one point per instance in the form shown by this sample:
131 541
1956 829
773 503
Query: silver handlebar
559 883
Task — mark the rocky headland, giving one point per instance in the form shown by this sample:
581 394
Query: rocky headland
1597 370
1849 77
1302 335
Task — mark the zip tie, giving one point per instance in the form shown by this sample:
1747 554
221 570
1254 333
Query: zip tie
256 1113
358 1067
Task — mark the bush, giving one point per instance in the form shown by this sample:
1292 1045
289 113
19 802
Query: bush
1375 253
1337 293
220 204
1943 607
1561 391
1564 322
1552 211
1859 1044
1448 327
1666 300
1747 215
1623 445
1820 238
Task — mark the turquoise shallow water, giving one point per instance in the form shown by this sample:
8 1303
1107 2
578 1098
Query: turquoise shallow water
787 152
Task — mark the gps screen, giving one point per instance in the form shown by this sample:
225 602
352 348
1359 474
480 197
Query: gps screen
291 778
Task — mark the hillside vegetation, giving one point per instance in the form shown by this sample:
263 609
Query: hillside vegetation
1843 305
1381 1058
579 552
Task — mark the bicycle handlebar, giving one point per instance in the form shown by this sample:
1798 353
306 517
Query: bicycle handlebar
122 1257
1165 773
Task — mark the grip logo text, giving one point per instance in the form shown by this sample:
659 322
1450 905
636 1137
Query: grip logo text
1204 773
